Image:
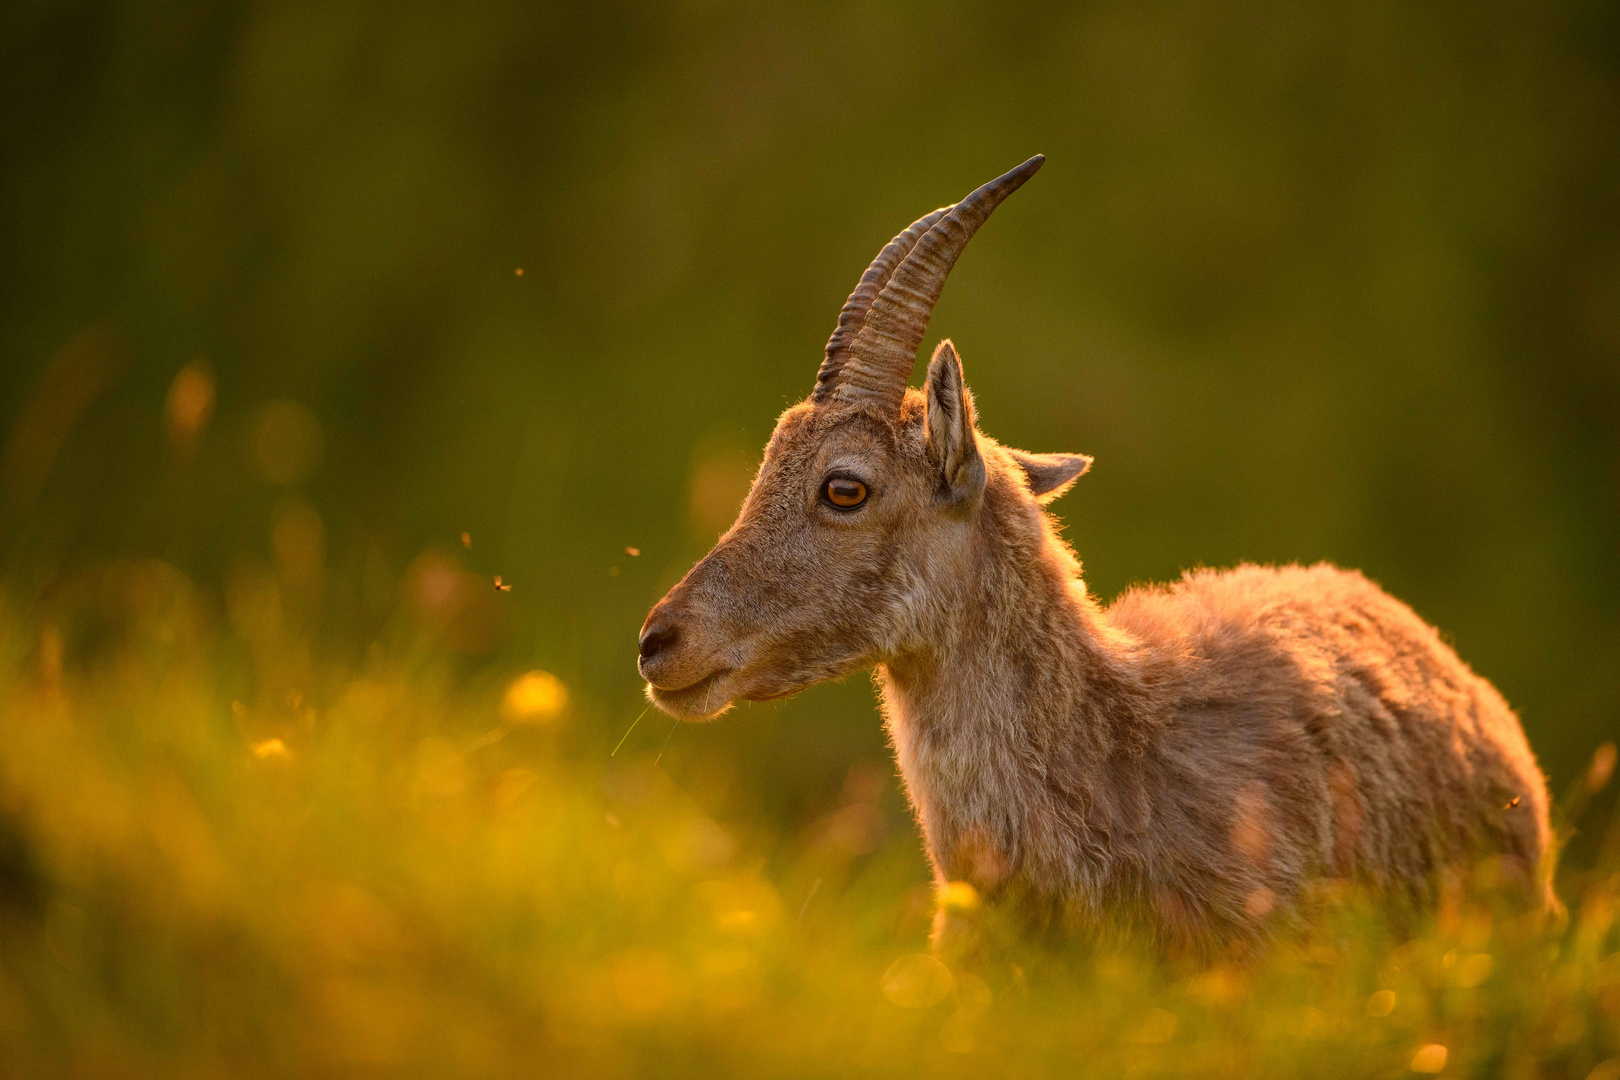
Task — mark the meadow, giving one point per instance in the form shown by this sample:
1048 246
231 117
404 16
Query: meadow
404 865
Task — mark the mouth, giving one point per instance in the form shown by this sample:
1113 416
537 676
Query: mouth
702 700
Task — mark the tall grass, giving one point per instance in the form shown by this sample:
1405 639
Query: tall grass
389 864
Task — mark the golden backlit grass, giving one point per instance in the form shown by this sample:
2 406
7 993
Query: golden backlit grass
385 866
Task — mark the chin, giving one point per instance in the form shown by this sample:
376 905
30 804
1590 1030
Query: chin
703 700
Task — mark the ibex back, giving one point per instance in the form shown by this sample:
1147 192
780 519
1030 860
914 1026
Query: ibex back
1183 761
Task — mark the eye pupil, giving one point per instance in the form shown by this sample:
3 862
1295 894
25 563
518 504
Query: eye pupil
846 493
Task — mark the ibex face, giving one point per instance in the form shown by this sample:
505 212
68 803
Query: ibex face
860 519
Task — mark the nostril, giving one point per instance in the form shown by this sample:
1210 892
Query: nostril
656 639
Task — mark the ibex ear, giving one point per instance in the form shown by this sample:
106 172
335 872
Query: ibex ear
1050 475
951 443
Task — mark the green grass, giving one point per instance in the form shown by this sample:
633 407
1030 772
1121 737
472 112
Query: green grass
392 865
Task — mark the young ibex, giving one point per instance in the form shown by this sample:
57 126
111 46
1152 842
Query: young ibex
1182 761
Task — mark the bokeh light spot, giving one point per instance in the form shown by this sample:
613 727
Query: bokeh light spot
958 896
1602 767
1430 1058
271 749
189 406
534 697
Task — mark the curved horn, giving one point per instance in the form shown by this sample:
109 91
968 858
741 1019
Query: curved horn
879 363
853 317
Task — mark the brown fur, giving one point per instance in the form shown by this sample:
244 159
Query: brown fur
1183 761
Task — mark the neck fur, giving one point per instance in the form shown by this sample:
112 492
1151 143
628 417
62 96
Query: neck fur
1020 726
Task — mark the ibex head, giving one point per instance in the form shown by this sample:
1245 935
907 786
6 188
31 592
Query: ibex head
861 523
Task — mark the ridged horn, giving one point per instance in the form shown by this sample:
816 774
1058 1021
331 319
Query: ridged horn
853 317
879 362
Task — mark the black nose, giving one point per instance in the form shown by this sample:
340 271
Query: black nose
657 638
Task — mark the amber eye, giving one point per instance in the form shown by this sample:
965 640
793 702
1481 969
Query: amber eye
844 493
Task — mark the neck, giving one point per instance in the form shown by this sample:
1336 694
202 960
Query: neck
1016 724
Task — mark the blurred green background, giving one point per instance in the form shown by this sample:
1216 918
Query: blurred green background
1335 281
314 318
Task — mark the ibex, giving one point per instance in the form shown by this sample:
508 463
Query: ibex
1182 762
